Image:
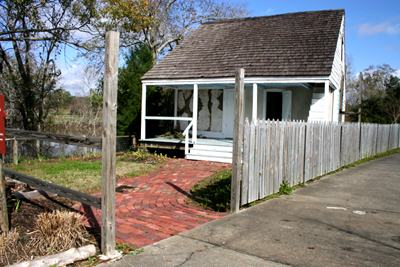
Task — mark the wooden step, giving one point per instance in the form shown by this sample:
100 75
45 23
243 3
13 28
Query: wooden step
209 158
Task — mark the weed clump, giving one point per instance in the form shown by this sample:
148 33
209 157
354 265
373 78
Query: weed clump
58 231
10 247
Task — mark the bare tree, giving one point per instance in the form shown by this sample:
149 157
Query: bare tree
86 107
32 33
172 20
162 24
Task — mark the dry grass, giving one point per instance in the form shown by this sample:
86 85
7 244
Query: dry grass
58 231
10 247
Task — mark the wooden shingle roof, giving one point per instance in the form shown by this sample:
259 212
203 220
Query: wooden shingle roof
295 44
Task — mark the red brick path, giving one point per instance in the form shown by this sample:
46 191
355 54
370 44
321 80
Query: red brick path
152 207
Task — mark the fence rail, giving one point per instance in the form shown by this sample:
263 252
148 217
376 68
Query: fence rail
298 151
54 188
94 142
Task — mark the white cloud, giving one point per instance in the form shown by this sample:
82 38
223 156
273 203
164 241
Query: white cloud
397 73
384 27
70 78
269 11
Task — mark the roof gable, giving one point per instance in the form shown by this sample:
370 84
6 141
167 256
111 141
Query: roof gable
295 44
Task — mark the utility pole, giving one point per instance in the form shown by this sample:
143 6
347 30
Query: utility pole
109 145
237 140
360 91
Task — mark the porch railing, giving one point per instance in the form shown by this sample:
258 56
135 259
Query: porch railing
143 136
186 135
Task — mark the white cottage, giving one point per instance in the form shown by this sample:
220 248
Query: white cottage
294 70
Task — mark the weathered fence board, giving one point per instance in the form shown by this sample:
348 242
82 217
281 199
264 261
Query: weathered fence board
94 142
298 151
56 189
245 170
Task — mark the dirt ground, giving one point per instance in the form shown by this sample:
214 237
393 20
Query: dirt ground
22 217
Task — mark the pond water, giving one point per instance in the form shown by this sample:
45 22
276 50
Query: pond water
30 149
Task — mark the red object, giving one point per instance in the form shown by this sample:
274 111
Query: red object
3 114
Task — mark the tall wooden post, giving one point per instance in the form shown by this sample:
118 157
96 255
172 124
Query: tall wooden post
108 144
84 149
237 140
15 150
360 91
4 225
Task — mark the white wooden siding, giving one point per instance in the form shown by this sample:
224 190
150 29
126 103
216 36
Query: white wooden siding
338 60
317 108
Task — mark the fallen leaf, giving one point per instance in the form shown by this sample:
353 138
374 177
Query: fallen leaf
168 260
311 247
199 251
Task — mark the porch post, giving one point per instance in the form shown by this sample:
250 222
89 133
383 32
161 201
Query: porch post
195 111
143 124
255 97
176 106
327 101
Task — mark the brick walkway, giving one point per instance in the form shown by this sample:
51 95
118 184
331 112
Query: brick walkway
152 207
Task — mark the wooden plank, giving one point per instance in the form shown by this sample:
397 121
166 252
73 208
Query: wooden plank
251 162
281 151
56 138
277 165
109 143
237 140
323 148
245 173
15 151
257 151
315 157
295 141
56 189
271 162
308 146
262 160
4 223
267 158
291 152
302 161
295 151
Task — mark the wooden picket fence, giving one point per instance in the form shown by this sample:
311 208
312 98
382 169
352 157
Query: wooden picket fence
298 151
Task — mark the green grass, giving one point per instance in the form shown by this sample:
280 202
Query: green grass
214 192
84 173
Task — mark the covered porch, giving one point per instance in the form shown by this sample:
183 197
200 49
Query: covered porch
204 109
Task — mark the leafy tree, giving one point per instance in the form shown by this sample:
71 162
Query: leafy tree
384 105
138 61
171 20
160 24
391 102
60 99
375 81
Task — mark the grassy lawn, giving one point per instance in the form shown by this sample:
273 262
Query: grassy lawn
84 173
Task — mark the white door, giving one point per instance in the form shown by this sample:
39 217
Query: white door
228 113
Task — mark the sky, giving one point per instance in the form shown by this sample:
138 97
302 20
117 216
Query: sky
372 28
372 35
